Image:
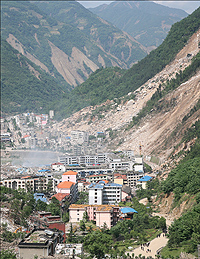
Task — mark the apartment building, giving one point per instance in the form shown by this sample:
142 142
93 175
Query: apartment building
95 178
69 185
133 177
101 214
84 160
118 164
102 193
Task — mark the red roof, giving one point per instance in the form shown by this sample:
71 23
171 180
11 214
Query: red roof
60 196
65 185
24 177
70 173
57 163
26 136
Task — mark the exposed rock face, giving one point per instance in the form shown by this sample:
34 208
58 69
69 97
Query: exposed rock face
154 132
13 41
68 66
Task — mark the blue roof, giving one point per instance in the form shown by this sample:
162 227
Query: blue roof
95 186
128 210
102 182
44 170
145 178
40 196
113 184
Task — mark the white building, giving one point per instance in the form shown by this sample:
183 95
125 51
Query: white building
83 160
102 193
58 167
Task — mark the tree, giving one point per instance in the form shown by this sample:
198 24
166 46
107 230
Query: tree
7 254
85 216
82 225
54 207
98 243
41 205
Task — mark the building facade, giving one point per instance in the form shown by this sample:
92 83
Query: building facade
101 214
102 193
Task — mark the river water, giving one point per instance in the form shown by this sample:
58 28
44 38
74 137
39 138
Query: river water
33 158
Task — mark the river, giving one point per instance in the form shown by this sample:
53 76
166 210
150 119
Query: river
33 158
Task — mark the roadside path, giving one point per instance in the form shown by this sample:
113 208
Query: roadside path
154 245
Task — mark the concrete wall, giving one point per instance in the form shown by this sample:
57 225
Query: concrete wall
103 217
71 178
29 253
75 215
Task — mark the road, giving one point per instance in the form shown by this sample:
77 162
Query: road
156 243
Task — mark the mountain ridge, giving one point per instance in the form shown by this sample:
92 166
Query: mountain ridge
138 19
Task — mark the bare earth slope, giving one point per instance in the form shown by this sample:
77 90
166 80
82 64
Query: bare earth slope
155 131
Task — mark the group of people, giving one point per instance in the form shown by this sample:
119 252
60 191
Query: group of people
147 245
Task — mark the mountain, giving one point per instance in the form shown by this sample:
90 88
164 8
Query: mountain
66 40
145 21
25 87
99 88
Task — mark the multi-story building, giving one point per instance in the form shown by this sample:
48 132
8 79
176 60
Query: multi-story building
95 178
102 193
101 214
118 164
69 185
133 177
84 160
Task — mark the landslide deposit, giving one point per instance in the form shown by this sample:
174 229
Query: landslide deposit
154 133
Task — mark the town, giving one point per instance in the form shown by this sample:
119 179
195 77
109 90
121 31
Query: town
83 183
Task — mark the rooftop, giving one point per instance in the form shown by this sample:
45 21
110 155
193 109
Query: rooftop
70 173
145 178
60 196
127 210
65 185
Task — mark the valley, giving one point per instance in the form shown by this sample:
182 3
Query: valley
100 150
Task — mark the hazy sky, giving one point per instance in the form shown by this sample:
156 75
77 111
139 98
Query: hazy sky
188 6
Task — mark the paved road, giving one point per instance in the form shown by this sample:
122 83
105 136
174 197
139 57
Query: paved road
154 245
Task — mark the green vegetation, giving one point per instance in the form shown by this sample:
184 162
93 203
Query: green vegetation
94 91
7 254
22 204
84 23
146 17
21 90
184 182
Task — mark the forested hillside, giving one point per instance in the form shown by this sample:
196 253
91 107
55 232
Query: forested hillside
25 87
148 22
104 88
66 50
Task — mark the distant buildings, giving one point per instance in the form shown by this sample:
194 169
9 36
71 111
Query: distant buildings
79 137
